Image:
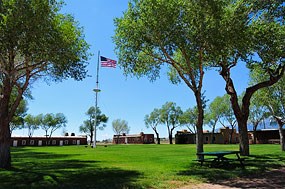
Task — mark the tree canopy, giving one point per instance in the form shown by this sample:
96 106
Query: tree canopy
88 125
120 126
273 98
173 32
193 35
36 41
153 120
32 123
170 115
189 118
252 32
51 122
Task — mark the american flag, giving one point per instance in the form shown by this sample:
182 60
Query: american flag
106 62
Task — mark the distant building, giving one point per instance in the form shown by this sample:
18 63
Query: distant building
266 136
134 139
224 136
46 141
184 137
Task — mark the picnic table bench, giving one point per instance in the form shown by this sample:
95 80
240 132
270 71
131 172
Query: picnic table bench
218 158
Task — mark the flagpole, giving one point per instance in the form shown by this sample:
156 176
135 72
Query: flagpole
96 90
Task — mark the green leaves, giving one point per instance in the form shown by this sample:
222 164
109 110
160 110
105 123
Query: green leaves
120 126
50 43
88 125
149 34
36 41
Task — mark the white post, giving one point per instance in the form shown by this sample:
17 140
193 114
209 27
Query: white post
96 90
95 124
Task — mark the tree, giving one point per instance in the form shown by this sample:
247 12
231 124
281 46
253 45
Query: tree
17 121
257 112
88 125
51 122
192 35
189 119
214 113
274 99
36 41
228 116
220 111
174 32
31 123
152 120
276 105
169 115
251 32
119 127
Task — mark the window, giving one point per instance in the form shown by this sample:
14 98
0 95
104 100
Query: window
73 141
53 142
66 142
207 139
32 142
214 138
15 143
24 142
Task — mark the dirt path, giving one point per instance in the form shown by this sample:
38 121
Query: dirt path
270 179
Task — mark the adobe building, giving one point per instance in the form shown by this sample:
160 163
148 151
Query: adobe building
134 139
266 136
46 141
224 136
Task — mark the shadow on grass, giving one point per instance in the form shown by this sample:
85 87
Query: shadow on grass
48 170
28 153
255 167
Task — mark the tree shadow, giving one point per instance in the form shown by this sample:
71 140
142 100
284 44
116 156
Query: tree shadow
25 153
260 171
49 170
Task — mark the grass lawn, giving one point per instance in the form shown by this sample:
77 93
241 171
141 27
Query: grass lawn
127 166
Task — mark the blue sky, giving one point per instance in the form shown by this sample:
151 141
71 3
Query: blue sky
121 97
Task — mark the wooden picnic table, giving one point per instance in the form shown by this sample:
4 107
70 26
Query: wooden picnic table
219 157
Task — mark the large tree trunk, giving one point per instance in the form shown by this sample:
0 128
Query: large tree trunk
5 135
199 124
157 137
254 132
243 137
118 137
7 111
170 138
213 132
169 134
254 137
241 113
91 136
281 135
231 134
282 139
5 138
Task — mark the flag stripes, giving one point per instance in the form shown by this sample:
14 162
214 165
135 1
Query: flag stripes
107 62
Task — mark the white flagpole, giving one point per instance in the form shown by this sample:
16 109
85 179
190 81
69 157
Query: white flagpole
96 90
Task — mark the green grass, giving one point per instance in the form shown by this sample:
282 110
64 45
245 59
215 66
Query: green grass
127 166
